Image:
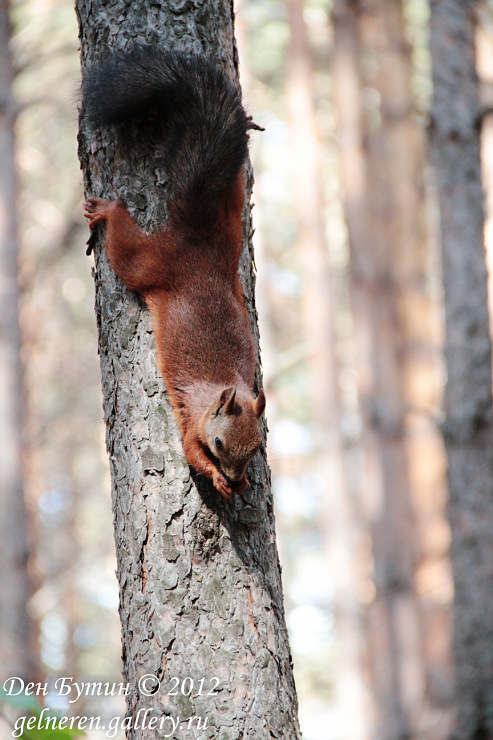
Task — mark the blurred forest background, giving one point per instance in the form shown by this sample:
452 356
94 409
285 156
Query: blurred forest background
350 300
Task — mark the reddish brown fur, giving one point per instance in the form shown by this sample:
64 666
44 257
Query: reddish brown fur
189 280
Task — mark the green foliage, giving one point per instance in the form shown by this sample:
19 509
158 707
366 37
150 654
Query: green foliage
39 731
19 701
267 46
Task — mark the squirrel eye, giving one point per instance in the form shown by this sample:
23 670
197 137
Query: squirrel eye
218 443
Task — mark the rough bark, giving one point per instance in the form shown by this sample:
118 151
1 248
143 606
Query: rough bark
200 589
467 428
16 648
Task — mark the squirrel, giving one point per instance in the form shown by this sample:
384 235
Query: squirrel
187 270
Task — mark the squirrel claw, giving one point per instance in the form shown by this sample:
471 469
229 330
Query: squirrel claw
220 484
95 210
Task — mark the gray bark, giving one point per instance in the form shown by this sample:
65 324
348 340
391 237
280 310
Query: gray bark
468 400
200 588
16 650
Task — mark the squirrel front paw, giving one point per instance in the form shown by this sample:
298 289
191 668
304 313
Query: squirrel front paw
96 209
221 484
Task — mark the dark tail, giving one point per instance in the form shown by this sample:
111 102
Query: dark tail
205 125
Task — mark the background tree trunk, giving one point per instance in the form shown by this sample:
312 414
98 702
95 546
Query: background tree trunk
17 649
380 163
200 589
318 321
468 428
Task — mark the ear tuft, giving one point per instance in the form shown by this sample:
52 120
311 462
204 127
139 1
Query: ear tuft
229 407
259 405
226 401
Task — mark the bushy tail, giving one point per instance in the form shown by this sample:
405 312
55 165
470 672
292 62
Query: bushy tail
206 127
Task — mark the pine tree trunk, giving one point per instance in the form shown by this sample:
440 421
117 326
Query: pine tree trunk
200 588
468 429
16 648
318 320
381 199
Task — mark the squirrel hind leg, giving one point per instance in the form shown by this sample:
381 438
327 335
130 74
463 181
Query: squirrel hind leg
138 258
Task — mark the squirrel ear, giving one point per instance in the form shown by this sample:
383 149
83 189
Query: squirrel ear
259 405
229 407
226 400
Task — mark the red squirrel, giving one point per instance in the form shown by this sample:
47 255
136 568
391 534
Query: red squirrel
187 270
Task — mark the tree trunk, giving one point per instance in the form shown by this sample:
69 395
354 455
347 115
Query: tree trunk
317 330
16 648
200 590
381 199
468 399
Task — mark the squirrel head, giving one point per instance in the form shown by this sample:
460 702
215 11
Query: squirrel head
232 430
